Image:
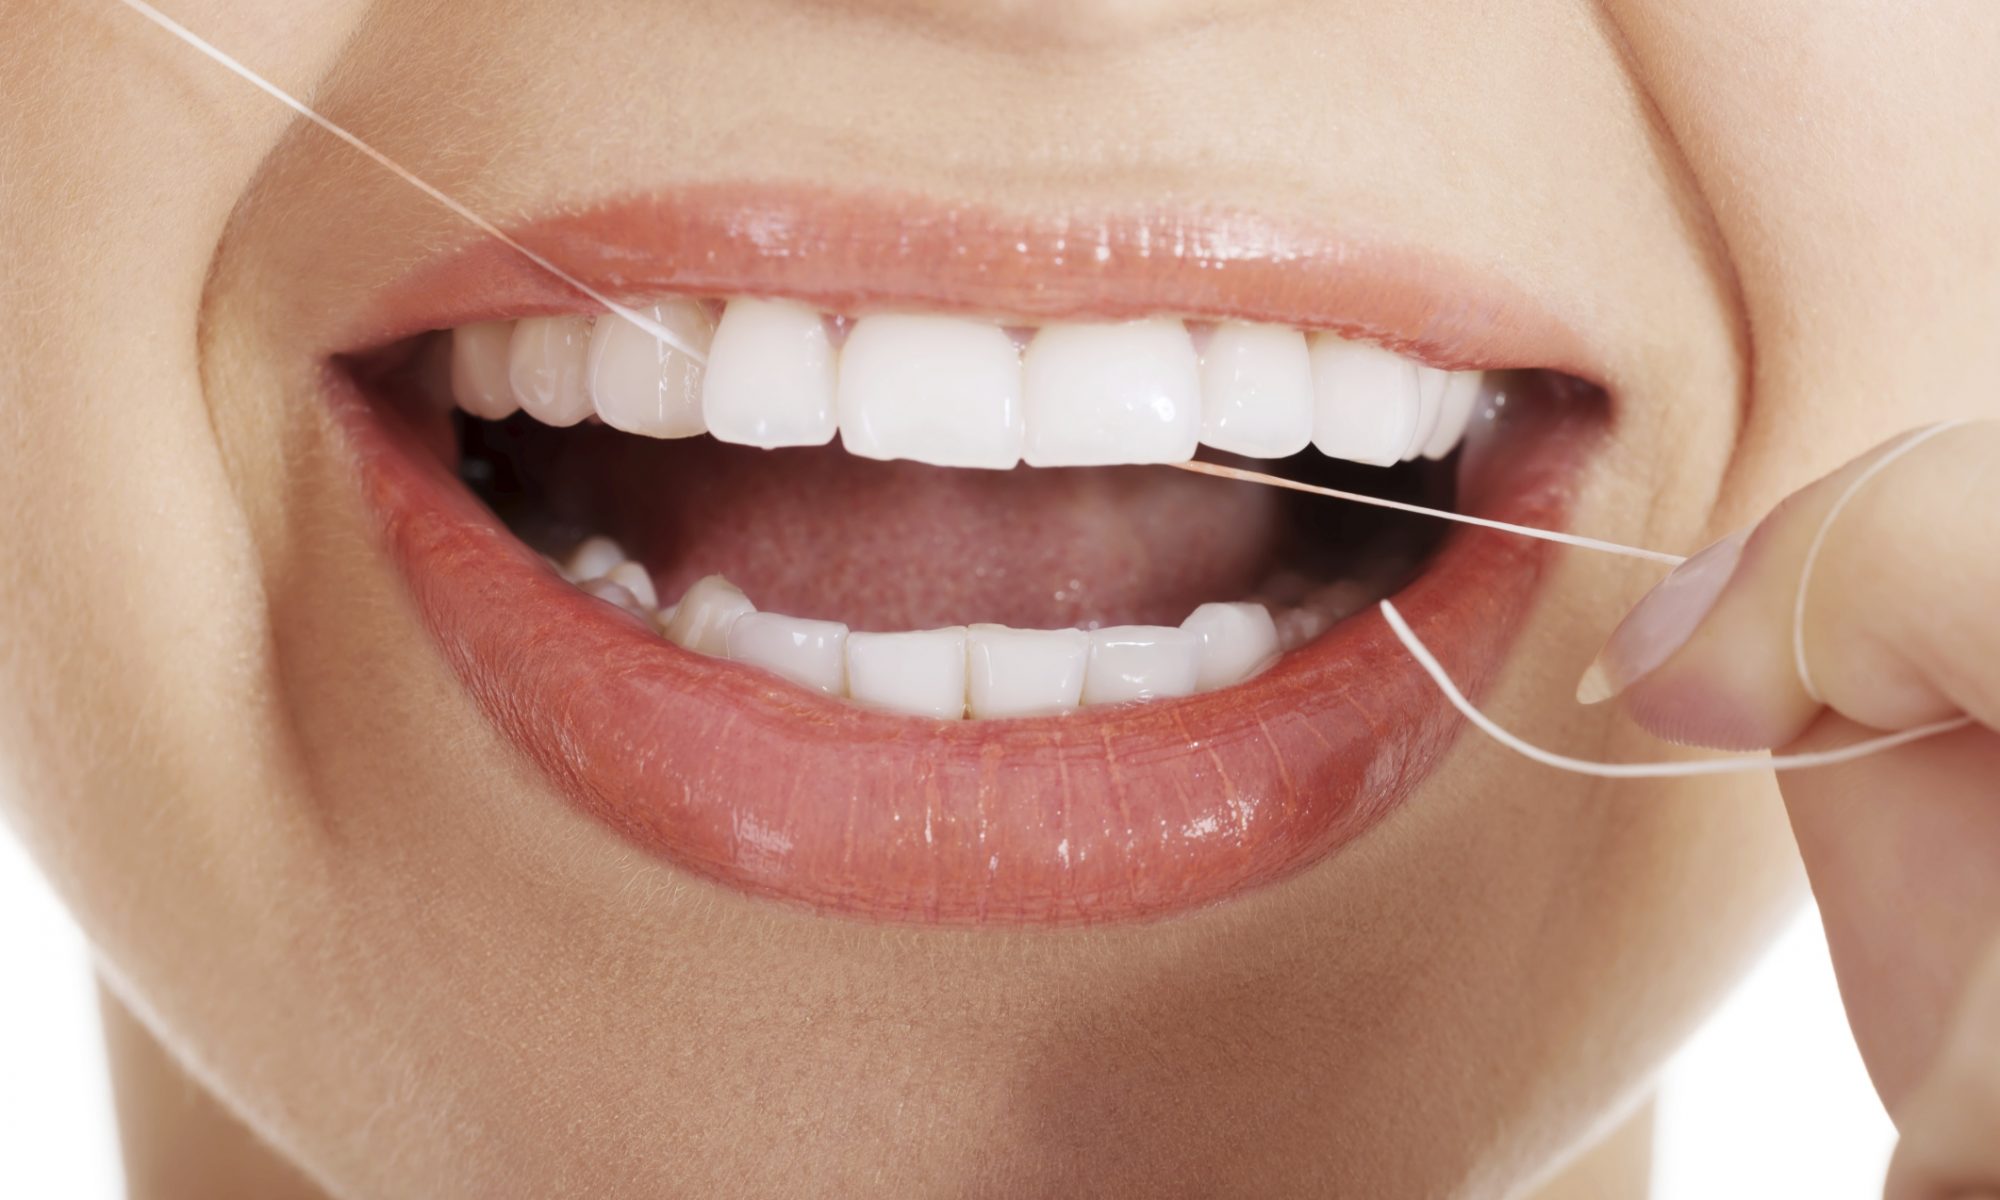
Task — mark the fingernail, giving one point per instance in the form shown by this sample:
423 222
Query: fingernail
1662 622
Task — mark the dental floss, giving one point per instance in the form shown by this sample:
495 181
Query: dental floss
658 331
1547 535
1819 540
1404 634
1649 770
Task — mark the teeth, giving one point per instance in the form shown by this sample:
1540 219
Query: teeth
955 392
1140 662
618 596
546 365
770 379
981 671
1367 402
593 558
1236 641
1104 394
1461 397
706 614
642 385
812 654
479 381
1256 391
922 674
634 579
1431 385
940 390
1024 672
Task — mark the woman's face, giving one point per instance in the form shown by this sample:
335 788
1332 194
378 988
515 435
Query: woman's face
599 917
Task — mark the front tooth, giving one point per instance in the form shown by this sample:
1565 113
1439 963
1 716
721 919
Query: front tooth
940 390
1461 397
1141 662
1256 391
643 385
547 361
705 615
1365 400
809 653
770 376
1117 393
1024 672
634 578
920 673
593 558
479 381
1236 641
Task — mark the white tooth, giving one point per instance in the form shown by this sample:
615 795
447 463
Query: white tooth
1024 672
920 673
614 594
633 578
1236 641
940 390
809 653
1365 400
1140 662
770 376
1297 626
641 384
705 615
1431 385
479 369
1117 393
593 558
546 361
1461 398
1256 391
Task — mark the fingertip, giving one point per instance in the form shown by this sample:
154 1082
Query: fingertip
1662 622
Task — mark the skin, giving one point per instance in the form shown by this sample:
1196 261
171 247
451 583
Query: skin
322 889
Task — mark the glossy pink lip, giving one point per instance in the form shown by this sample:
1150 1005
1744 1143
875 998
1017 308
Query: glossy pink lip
1103 815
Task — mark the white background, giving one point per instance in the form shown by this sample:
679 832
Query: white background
1768 1100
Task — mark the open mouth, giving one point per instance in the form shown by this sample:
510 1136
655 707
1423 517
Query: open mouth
884 599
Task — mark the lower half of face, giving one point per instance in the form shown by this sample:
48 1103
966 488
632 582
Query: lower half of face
730 681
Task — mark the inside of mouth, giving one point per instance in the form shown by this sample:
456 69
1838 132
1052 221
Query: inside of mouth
1018 584
815 532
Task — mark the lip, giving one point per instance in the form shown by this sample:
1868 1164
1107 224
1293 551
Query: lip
1101 815
853 253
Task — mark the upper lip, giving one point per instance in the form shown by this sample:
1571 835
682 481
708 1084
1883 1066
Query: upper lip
854 253
1103 814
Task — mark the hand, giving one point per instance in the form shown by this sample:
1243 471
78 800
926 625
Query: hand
1901 628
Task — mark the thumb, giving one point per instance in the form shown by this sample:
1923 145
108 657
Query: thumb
1896 627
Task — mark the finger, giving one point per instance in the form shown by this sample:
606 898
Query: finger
1898 625
1950 1147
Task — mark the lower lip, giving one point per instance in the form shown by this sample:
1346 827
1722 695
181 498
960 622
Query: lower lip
1103 815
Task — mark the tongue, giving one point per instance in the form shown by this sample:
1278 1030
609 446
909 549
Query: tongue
819 533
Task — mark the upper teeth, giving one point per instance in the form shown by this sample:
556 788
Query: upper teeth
956 391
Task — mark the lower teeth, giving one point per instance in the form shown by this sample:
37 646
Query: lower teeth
1297 567
980 671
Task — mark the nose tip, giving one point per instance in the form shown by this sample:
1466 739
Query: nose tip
1059 23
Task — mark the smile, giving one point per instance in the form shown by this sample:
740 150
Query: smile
870 593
